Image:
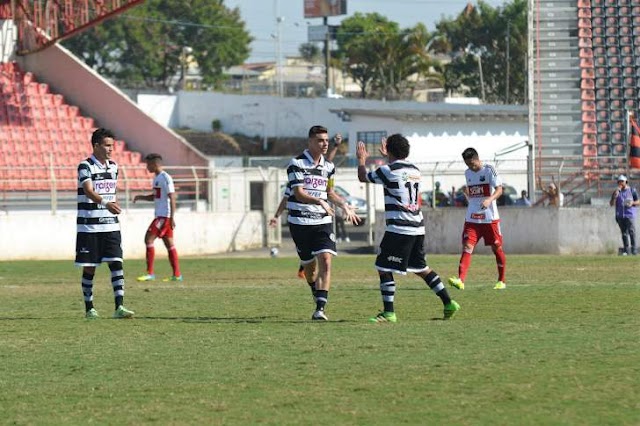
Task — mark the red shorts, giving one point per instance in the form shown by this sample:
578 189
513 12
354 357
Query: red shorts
161 227
473 232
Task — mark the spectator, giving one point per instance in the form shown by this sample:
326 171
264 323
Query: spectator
555 197
625 199
523 201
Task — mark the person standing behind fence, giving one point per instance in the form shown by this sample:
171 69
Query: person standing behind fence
310 215
484 187
98 236
625 199
164 196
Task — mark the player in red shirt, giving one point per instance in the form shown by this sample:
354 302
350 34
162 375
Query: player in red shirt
484 187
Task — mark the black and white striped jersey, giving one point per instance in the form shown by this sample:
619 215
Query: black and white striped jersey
402 187
93 217
314 179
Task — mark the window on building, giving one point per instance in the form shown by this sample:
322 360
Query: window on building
372 140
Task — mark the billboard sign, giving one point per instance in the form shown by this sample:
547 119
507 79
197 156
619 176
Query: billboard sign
321 8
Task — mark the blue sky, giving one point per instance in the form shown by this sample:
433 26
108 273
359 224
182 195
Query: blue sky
260 17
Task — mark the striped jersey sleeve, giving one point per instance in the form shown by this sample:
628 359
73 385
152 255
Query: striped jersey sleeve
402 186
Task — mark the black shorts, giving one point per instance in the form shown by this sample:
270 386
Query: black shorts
93 248
401 253
313 239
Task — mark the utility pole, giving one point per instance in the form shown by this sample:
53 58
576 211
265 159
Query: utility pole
327 54
506 94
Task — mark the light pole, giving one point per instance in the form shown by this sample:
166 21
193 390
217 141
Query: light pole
278 39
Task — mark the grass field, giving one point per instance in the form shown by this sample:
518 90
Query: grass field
233 344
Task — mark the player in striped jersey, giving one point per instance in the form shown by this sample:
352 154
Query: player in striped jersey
164 196
402 247
98 230
310 177
484 187
337 140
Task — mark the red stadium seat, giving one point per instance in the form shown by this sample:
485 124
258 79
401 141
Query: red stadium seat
586 63
589 128
588 106
584 13
585 32
587 95
585 42
584 3
587 83
589 139
588 73
589 151
586 52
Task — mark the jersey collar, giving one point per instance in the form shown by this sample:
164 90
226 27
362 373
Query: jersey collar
310 158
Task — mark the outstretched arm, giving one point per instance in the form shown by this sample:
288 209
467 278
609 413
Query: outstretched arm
362 155
337 140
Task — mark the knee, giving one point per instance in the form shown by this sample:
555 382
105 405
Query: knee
468 248
89 270
115 266
385 277
497 248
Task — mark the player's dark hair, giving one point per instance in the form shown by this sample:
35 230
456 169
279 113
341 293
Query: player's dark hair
100 135
469 154
398 146
153 156
317 130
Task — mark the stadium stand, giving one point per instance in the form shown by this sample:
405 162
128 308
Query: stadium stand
40 133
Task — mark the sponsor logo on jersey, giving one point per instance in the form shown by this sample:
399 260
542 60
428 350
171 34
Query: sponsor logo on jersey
107 220
478 215
479 190
105 185
315 181
482 179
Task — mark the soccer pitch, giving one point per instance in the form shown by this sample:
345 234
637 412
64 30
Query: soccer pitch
233 344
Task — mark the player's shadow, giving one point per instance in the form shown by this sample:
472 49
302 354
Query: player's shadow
236 320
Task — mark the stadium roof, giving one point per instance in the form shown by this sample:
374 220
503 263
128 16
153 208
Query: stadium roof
441 112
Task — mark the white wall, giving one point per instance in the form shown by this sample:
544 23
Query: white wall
40 235
527 230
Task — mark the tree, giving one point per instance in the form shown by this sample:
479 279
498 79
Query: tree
147 44
310 52
383 59
360 40
483 31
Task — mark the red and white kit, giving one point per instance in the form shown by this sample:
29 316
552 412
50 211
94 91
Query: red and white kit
162 187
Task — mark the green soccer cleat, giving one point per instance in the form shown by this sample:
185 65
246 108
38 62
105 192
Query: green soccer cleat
384 317
500 286
173 278
122 313
450 310
456 282
92 314
146 277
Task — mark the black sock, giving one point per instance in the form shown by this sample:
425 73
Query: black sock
88 306
321 299
433 281
312 286
387 290
87 290
119 301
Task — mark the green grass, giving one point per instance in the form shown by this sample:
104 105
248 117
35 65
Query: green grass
233 344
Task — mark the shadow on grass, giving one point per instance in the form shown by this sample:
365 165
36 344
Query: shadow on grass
239 320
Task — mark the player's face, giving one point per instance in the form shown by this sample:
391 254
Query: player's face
474 164
152 166
319 144
104 150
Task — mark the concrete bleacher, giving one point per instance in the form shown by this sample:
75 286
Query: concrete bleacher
587 56
42 138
